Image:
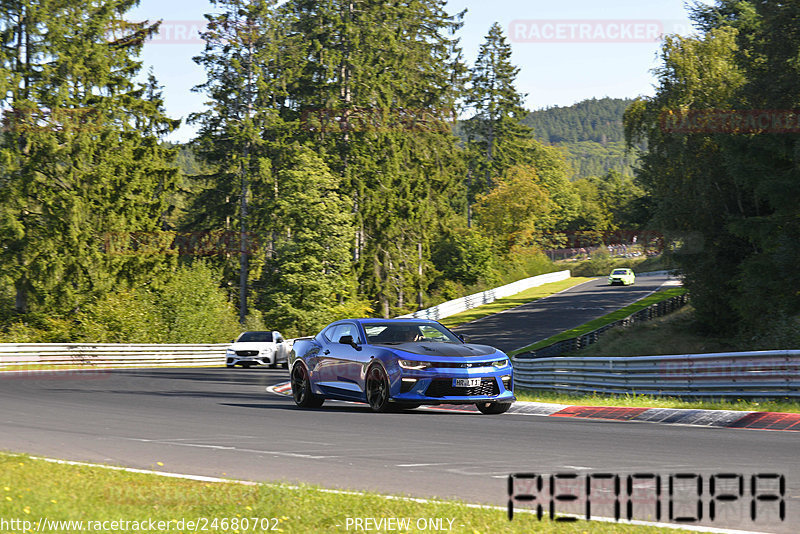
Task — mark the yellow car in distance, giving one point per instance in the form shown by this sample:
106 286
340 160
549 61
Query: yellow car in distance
621 276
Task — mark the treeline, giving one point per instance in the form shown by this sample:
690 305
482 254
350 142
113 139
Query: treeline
598 120
590 133
722 166
326 180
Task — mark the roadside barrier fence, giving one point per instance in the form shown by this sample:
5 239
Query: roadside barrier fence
452 307
760 374
763 374
24 355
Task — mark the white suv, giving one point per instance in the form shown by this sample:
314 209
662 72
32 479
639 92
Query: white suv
258 348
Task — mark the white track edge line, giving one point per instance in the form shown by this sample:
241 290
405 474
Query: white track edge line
202 478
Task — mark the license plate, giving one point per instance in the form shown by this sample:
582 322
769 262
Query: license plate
466 382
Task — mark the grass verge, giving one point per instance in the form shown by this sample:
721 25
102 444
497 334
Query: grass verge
36 490
648 401
675 333
604 320
524 297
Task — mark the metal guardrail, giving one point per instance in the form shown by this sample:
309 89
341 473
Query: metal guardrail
659 309
760 374
452 307
21 355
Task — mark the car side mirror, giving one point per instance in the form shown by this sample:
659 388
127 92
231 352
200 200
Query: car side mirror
348 340
464 338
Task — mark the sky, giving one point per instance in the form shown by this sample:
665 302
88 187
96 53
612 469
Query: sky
567 50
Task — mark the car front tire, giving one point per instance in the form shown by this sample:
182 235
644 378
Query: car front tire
301 388
377 389
493 408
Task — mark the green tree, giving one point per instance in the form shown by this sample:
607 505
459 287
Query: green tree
729 197
194 309
465 256
594 214
495 134
310 273
377 85
517 210
80 156
245 83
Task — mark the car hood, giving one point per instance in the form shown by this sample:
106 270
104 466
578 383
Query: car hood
442 349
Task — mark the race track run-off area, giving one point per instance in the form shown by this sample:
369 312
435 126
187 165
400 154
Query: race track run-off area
223 423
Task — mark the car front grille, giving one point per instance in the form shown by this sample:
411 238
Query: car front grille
443 387
247 353
462 365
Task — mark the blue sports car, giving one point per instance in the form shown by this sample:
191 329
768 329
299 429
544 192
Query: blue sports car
398 364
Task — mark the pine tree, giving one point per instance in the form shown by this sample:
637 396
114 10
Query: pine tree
495 133
244 84
81 156
309 274
378 86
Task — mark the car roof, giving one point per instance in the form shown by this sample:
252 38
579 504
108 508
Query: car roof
369 320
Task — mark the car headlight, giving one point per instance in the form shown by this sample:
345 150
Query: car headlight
500 363
411 364
230 352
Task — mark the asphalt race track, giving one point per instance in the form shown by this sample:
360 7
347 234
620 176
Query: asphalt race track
221 422
540 319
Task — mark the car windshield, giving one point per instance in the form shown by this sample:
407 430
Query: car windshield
259 337
620 271
392 333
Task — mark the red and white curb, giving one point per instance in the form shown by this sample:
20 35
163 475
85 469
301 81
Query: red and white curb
672 416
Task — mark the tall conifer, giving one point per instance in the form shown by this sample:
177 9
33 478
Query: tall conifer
82 164
377 90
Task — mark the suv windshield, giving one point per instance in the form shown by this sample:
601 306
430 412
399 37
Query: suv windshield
259 337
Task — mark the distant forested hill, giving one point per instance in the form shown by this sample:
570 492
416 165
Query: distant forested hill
590 132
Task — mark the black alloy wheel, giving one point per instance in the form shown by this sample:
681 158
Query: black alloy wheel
301 388
493 408
377 389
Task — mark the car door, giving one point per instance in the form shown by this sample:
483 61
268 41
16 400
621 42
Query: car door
339 368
